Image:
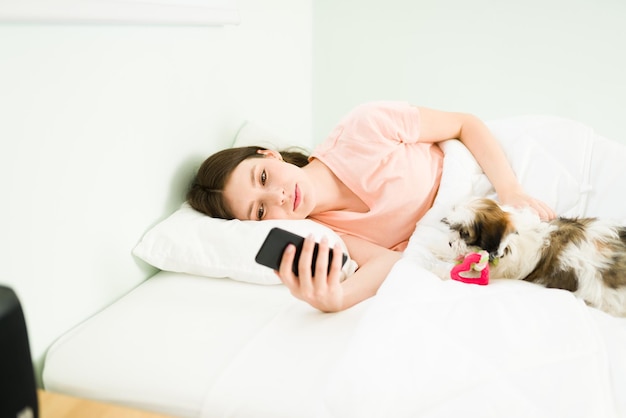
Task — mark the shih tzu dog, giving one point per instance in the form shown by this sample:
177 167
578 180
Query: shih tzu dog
586 256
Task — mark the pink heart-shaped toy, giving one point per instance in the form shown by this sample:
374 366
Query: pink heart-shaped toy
473 269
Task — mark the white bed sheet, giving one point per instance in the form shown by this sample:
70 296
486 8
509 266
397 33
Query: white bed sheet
423 347
432 348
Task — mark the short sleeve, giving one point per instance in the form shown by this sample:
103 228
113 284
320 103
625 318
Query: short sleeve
383 121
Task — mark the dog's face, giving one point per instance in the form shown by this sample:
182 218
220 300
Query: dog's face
480 224
514 238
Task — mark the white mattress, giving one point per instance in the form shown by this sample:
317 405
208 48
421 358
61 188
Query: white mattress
165 346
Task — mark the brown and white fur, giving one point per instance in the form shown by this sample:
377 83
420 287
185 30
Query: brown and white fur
586 256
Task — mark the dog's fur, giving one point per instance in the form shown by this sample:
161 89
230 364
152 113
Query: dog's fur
583 255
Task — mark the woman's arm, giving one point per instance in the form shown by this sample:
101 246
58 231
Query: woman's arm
325 291
436 126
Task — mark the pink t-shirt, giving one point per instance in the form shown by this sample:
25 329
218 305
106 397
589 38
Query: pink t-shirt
375 151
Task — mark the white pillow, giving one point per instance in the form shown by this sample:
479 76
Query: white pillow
190 242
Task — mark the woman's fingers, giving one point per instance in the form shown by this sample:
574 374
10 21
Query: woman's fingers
521 200
334 274
321 265
305 275
545 212
323 290
284 272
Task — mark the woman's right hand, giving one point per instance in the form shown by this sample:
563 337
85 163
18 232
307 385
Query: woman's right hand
322 291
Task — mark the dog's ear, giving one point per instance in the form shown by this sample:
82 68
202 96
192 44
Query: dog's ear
491 228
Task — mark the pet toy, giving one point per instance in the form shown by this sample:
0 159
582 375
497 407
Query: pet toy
474 268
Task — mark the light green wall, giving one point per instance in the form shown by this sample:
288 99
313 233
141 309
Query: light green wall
101 128
494 58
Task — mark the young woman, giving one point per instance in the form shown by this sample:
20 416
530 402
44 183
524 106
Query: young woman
371 180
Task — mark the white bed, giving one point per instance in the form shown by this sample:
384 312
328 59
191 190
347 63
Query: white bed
192 346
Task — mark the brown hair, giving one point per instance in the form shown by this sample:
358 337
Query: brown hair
206 192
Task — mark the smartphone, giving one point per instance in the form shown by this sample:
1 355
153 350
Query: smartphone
272 249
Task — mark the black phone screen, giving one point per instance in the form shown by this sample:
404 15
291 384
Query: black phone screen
271 252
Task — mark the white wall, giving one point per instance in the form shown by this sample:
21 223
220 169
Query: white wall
494 58
101 128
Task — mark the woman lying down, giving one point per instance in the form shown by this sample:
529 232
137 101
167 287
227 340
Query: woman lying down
373 178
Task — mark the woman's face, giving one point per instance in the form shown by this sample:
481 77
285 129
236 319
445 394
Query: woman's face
269 188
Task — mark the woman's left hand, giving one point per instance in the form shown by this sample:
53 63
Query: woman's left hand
322 291
522 200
